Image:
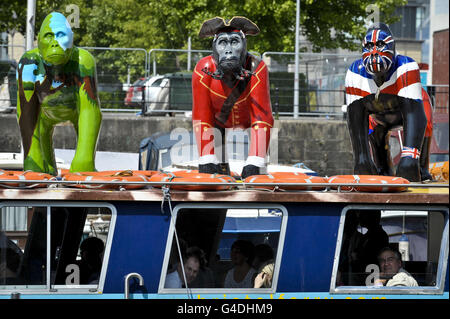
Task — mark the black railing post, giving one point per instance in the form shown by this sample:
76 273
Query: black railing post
277 104
143 99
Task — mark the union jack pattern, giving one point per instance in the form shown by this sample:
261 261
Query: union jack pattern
378 51
410 152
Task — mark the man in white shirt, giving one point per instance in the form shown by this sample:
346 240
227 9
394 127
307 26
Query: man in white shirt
392 274
175 279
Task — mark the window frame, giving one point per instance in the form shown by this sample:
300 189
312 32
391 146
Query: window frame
437 289
284 218
64 289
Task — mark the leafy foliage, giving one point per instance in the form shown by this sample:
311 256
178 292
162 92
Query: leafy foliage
169 23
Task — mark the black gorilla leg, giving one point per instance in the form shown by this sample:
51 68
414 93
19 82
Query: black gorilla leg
379 144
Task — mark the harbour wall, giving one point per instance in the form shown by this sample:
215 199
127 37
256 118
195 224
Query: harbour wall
323 145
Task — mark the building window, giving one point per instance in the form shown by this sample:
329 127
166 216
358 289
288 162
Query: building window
406 27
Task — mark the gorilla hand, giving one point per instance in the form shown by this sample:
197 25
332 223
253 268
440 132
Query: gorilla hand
249 170
209 168
409 168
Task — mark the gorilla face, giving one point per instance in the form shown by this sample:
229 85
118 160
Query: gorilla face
55 39
378 50
229 51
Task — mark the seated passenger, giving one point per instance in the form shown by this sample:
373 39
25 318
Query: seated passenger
391 271
205 277
91 250
191 266
265 276
242 274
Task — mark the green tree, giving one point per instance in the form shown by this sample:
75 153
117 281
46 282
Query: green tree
169 23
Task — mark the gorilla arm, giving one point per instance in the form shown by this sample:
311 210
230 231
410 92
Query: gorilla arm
90 117
261 121
414 126
358 125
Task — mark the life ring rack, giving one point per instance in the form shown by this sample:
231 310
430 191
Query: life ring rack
192 180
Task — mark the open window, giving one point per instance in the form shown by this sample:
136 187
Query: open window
212 240
60 246
394 250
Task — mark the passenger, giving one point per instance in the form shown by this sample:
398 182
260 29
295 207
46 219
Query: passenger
191 262
91 250
263 253
374 239
391 272
265 276
205 277
242 274
350 266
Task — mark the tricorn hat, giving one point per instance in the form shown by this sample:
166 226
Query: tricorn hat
212 26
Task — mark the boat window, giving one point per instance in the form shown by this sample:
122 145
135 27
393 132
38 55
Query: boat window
224 248
383 249
53 247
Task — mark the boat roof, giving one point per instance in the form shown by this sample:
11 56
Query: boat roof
422 195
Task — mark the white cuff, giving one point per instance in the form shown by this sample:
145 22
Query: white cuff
208 159
256 160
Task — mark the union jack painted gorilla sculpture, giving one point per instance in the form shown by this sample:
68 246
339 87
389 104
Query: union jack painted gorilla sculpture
231 90
383 90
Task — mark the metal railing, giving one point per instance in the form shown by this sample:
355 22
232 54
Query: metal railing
321 87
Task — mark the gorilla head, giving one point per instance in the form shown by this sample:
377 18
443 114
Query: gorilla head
229 44
55 39
230 50
378 49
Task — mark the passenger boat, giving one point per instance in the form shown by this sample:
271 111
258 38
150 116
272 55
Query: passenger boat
144 227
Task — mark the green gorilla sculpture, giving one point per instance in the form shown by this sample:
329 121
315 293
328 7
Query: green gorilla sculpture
57 82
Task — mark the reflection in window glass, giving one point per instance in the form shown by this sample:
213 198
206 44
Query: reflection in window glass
224 248
390 248
77 242
23 254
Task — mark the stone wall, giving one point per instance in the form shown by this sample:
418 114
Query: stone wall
322 145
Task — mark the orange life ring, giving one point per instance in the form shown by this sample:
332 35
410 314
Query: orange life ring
194 178
108 176
288 175
307 182
369 179
17 176
62 172
189 172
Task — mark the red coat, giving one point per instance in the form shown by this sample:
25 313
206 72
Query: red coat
252 108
